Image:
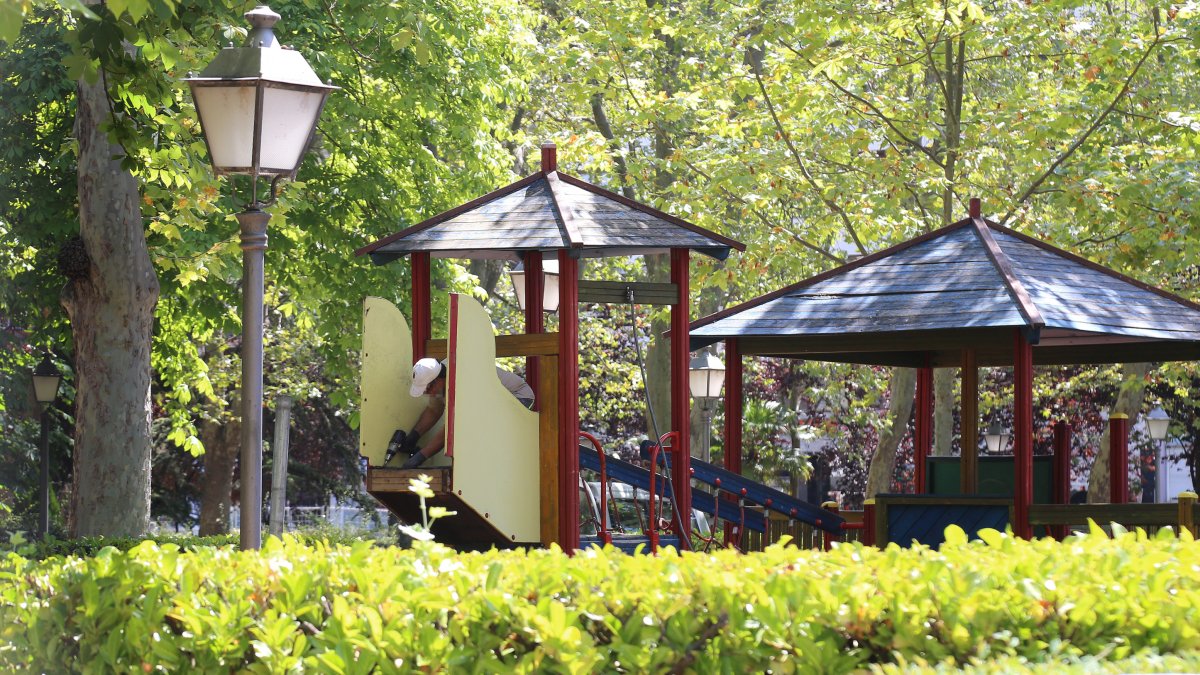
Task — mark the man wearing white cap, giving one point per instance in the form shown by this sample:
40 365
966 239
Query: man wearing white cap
429 377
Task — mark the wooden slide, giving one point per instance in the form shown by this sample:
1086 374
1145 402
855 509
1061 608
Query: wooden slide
489 471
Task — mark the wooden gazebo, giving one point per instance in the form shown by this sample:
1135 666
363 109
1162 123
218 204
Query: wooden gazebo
971 294
552 213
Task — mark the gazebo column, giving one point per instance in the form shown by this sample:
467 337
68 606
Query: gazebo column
733 419
1118 459
680 414
534 320
922 426
969 462
1022 435
422 309
568 403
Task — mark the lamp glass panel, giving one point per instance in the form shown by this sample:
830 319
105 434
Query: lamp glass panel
550 291
1158 428
45 388
227 115
287 123
518 281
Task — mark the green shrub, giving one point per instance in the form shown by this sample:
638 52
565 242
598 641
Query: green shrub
90 546
359 608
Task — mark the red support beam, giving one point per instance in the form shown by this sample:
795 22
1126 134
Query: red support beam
422 306
681 470
534 320
733 421
1062 472
568 403
1118 459
922 427
1022 435
1062 463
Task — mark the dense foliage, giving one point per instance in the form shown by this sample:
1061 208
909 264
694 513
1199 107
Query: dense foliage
360 609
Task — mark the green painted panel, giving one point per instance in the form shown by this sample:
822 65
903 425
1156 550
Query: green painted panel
995 477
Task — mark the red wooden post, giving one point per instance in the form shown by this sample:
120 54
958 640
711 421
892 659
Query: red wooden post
1062 471
549 157
1062 463
827 537
733 419
534 321
868 536
975 208
568 403
422 309
1022 435
1118 459
922 427
681 471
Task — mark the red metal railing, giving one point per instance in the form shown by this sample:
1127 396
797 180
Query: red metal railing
602 525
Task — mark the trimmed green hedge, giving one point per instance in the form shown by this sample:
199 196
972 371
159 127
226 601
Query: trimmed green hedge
361 609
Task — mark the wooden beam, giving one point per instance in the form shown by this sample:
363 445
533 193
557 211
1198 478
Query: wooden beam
1118 459
541 344
548 454
422 310
680 408
732 455
1022 434
534 319
969 475
922 427
568 401
617 292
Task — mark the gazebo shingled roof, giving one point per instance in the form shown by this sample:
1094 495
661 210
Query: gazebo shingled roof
967 285
549 211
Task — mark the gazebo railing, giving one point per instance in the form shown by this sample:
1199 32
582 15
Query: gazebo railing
1060 517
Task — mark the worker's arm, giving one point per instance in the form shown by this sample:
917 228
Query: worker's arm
429 416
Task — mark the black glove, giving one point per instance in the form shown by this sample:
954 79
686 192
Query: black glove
409 446
413 462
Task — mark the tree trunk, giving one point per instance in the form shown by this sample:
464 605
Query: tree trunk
112 313
900 404
222 442
943 412
1129 402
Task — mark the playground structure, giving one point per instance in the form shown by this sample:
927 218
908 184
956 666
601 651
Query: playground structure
535 497
971 294
961 296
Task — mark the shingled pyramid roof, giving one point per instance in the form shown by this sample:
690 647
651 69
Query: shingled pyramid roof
965 286
548 211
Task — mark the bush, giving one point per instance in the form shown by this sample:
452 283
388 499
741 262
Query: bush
360 608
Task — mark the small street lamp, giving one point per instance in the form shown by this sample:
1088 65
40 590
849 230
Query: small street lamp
258 106
549 285
46 379
1157 423
996 438
706 376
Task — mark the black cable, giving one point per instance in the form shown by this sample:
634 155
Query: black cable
637 345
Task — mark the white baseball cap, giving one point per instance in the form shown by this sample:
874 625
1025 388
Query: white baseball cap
424 373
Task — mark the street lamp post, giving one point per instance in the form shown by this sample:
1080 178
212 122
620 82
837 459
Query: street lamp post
1157 422
258 106
45 389
706 376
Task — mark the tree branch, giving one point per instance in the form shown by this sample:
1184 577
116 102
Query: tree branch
1100 119
787 139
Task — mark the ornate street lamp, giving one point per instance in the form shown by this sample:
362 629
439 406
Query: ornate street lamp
258 106
46 379
996 438
549 285
1157 423
706 376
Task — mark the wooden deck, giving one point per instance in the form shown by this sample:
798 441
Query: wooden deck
466 530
